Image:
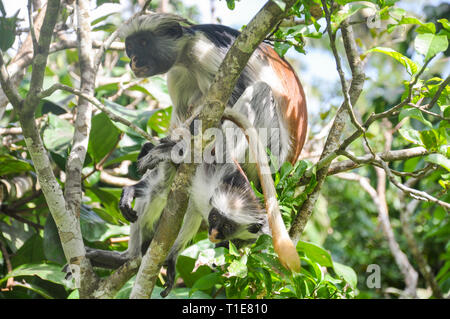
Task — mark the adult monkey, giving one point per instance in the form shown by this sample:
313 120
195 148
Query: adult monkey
268 93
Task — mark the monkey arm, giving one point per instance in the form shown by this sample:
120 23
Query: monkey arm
191 224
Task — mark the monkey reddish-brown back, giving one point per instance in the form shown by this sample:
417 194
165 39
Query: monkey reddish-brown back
292 100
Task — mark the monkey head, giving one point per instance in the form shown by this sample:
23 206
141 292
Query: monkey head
153 44
235 214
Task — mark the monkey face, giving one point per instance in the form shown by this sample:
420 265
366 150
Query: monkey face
150 53
222 228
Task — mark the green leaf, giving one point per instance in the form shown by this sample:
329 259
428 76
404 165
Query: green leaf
445 24
415 114
2 8
52 244
49 272
58 135
411 135
237 269
281 48
137 117
230 4
315 253
102 18
344 14
109 199
16 234
428 27
100 2
429 44
347 273
31 252
410 66
185 267
207 282
104 136
432 139
439 159
12 165
160 120
7 31
94 228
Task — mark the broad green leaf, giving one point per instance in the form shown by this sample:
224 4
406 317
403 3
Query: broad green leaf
194 250
410 66
47 272
346 272
428 27
102 18
52 244
12 165
439 159
237 269
31 252
107 27
16 234
185 267
445 24
315 253
207 282
433 139
429 44
7 31
411 135
35 288
94 228
137 117
160 120
109 199
415 114
58 135
104 136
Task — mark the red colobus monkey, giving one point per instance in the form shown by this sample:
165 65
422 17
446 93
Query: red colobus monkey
268 93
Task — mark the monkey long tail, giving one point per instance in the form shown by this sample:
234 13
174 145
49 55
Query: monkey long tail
282 243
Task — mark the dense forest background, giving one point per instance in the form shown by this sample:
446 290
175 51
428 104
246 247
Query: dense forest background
378 225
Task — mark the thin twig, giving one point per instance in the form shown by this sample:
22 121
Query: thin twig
436 96
100 106
32 31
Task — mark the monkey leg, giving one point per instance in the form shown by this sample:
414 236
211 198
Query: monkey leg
106 258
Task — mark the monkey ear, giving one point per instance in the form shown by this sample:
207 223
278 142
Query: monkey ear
173 30
147 147
254 228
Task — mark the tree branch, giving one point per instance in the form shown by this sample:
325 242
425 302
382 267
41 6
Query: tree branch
100 106
332 142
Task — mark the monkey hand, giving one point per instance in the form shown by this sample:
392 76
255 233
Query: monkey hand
170 279
125 207
166 150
